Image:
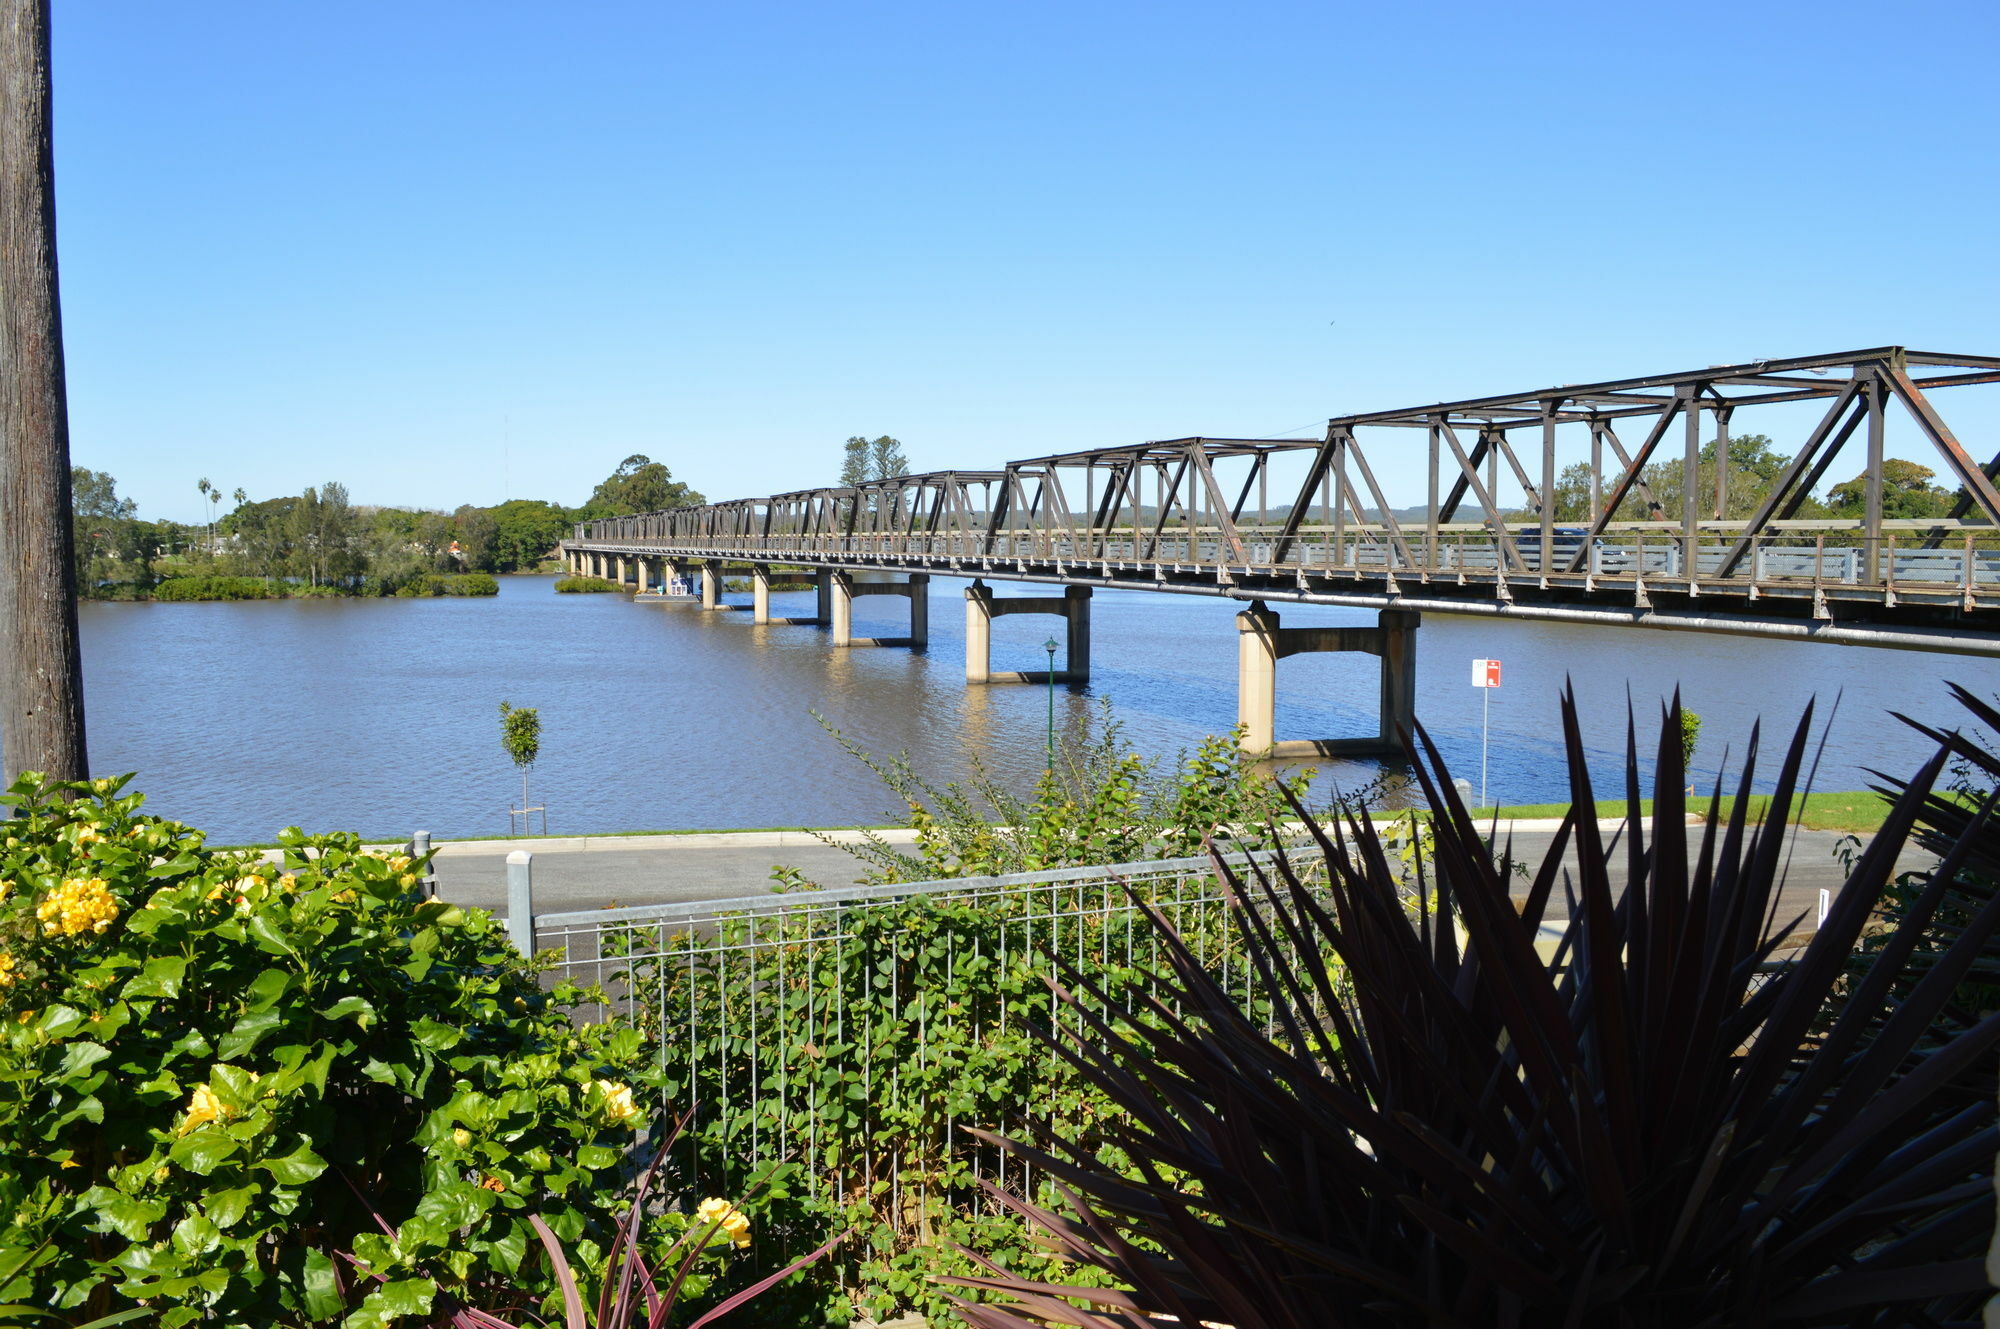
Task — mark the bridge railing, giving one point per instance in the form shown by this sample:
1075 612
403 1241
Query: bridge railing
1918 556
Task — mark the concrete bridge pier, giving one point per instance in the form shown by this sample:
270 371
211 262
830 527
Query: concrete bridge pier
844 589
621 569
982 607
639 571
711 584
1262 643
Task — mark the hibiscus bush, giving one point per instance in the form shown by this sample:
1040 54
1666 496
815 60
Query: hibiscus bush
245 1092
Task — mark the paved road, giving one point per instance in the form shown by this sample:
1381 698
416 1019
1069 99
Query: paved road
661 872
654 870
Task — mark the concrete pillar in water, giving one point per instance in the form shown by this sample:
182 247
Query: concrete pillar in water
1257 677
823 590
982 607
978 632
1076 657
1262 643
639 572
920 608
711 585
842 617
760 594
1399 673
621 569
915 588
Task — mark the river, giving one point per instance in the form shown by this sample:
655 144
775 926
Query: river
382 715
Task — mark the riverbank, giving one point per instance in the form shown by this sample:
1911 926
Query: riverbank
183 590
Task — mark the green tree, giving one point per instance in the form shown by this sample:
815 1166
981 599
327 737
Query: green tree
640 484
526 530
259 539
866 459
476 532
521 735
102 521
323 531
1753 467
1907 492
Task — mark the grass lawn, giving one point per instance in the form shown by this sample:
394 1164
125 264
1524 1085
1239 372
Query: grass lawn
1860 811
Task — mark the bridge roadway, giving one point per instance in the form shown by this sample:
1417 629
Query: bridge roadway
1587 540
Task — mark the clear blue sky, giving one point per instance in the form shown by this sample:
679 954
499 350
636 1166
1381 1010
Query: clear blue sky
456 252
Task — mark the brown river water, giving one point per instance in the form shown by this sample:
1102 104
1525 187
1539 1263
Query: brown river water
382 715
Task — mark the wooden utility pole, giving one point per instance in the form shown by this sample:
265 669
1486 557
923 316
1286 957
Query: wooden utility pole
41 670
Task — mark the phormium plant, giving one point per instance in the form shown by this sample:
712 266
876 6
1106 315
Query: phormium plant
1645 1130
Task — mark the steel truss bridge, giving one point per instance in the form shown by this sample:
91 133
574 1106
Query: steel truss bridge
1309 521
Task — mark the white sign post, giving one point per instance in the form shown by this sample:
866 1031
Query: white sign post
1486 676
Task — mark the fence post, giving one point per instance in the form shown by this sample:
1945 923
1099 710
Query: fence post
521 901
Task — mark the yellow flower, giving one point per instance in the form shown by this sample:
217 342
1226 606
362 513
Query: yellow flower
204 1107
78 905
88 835
726 1218
7 967
101 786
618 1104
494 1184
6 888
69 1163
400 862
24 1017
288 882
161 1173
461 1136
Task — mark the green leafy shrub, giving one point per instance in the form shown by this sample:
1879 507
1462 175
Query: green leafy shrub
441 583
585 585
217 588
1103 803
207 1060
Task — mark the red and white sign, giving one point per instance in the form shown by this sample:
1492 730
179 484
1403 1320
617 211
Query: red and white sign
1485 673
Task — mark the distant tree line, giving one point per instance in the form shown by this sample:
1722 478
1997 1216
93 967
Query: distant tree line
319 540
1752 467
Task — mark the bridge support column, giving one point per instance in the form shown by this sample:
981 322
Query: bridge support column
823 589
621 569
760 593
841 588
639 573
982 607
916 588
711 586
1262 643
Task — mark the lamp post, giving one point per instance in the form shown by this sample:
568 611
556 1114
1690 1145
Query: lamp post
1050 647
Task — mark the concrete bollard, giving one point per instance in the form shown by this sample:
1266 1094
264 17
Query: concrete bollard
420 845
521 901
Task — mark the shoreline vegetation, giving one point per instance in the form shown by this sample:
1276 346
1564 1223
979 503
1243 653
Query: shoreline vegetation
184 590
318 543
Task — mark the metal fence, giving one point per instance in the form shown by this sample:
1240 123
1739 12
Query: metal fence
776 1014
793 1024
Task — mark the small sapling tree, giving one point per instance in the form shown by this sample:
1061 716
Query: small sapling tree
521 735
